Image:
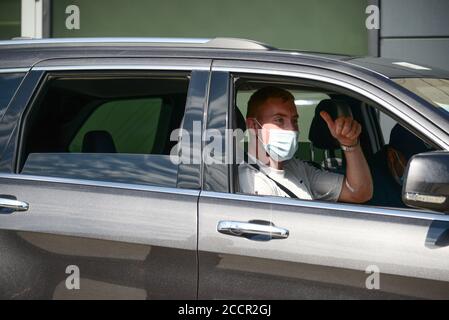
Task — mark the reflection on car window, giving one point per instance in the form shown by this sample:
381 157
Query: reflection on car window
106 128
9 82
435 91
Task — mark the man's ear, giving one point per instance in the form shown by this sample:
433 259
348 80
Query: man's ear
250 123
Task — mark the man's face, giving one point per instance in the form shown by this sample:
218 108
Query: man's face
275 113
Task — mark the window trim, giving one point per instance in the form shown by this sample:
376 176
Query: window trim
100 183
14 70
64 71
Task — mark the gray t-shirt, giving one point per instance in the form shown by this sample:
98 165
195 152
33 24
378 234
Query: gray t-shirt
304 180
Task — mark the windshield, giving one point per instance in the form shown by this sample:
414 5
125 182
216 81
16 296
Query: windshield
435 91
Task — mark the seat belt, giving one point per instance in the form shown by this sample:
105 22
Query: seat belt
281 186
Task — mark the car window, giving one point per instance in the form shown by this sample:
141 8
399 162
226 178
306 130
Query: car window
435 91
9 82
386 124
387 165
106 127
135 135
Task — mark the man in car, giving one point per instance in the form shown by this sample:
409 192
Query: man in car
272 121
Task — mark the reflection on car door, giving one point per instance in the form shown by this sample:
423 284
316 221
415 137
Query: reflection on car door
333 251
123 240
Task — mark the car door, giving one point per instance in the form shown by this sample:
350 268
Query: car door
313 249
96 224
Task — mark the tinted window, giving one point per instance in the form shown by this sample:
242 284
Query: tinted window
9 82
135 135
106 127
435 91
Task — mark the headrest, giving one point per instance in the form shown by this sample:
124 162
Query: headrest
406 142
319 133
98 141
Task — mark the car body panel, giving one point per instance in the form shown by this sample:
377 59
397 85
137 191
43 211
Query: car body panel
331 251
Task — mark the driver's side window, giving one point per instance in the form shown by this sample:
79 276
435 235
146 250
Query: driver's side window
387 145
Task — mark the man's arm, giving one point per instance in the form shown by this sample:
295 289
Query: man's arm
358 185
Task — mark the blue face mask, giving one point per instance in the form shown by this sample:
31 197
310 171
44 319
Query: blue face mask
282 144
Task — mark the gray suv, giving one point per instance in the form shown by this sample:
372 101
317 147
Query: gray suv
95 201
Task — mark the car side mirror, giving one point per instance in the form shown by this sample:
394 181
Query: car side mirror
426 183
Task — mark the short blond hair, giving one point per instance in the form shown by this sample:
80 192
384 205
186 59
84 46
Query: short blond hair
259 97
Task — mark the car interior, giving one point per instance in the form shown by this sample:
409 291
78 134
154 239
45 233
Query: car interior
317 146
106 114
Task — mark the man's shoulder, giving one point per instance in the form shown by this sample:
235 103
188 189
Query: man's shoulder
248 171
246 167
296 164
253 181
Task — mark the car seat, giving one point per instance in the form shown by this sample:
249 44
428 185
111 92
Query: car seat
320 136
98 141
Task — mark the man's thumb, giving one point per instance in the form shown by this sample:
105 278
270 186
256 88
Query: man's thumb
326 117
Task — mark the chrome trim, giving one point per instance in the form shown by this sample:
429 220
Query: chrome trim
364 68
343 84
14 70
105 40
219 42
413 196
237 228
315 204
96 183
15 205
122 67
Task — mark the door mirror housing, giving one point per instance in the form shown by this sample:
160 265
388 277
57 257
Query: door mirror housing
426 183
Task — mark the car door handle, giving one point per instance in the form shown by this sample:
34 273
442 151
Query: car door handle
252 228
13 205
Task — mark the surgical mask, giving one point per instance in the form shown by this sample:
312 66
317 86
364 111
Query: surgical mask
282 144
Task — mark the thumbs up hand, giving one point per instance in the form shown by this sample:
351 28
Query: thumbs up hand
345 129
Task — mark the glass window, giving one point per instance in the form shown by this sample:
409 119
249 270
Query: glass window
387 165
435 91
106 127
135 135
9 82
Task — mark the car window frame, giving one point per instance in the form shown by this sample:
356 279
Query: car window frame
384 102
199 67
41 93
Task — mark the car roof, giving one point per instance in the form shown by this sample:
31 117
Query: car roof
24 53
